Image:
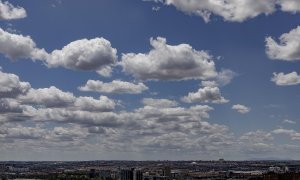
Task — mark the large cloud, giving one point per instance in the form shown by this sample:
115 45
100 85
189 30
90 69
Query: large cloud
48 97
11 86
288 47
294 135
205 95
166 62
55 98
258 136
289 79
232 10
16 46
86 55
9 12
8 105
116 87
103 104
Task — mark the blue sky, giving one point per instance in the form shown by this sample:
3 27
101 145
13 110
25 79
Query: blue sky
155 79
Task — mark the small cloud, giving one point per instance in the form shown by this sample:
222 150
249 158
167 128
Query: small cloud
225 77
281 79
209 94
241 108
155 8
56 3
287 121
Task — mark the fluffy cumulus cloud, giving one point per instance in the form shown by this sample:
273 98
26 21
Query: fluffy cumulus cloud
115 87
159 125
292 6
232 10
167 62
208 94
288 47
48 97
103 104
86 55
159 102
146 129
9 11
289 79
169 129
241 108
15 46
11 86
20 102
55 98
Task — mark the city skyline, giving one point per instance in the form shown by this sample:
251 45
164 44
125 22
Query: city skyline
149 80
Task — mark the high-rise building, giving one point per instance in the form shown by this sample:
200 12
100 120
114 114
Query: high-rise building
105 175
137 174
126 174
167 171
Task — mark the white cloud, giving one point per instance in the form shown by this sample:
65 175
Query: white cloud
257 136
159 129
292 133
102 104
156 8
166 62
20 132
76 116
163 103
241 108
282 79
9 106
209 84
225 76
48 97
288 47
287 121
292 6
232 10
11 86
9 12
205 95
16 46
86 55
116 87
55 98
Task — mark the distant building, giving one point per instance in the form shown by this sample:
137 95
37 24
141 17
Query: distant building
126 174
167 171
105 175
137 174
92 173
221 160
17 169
284 176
